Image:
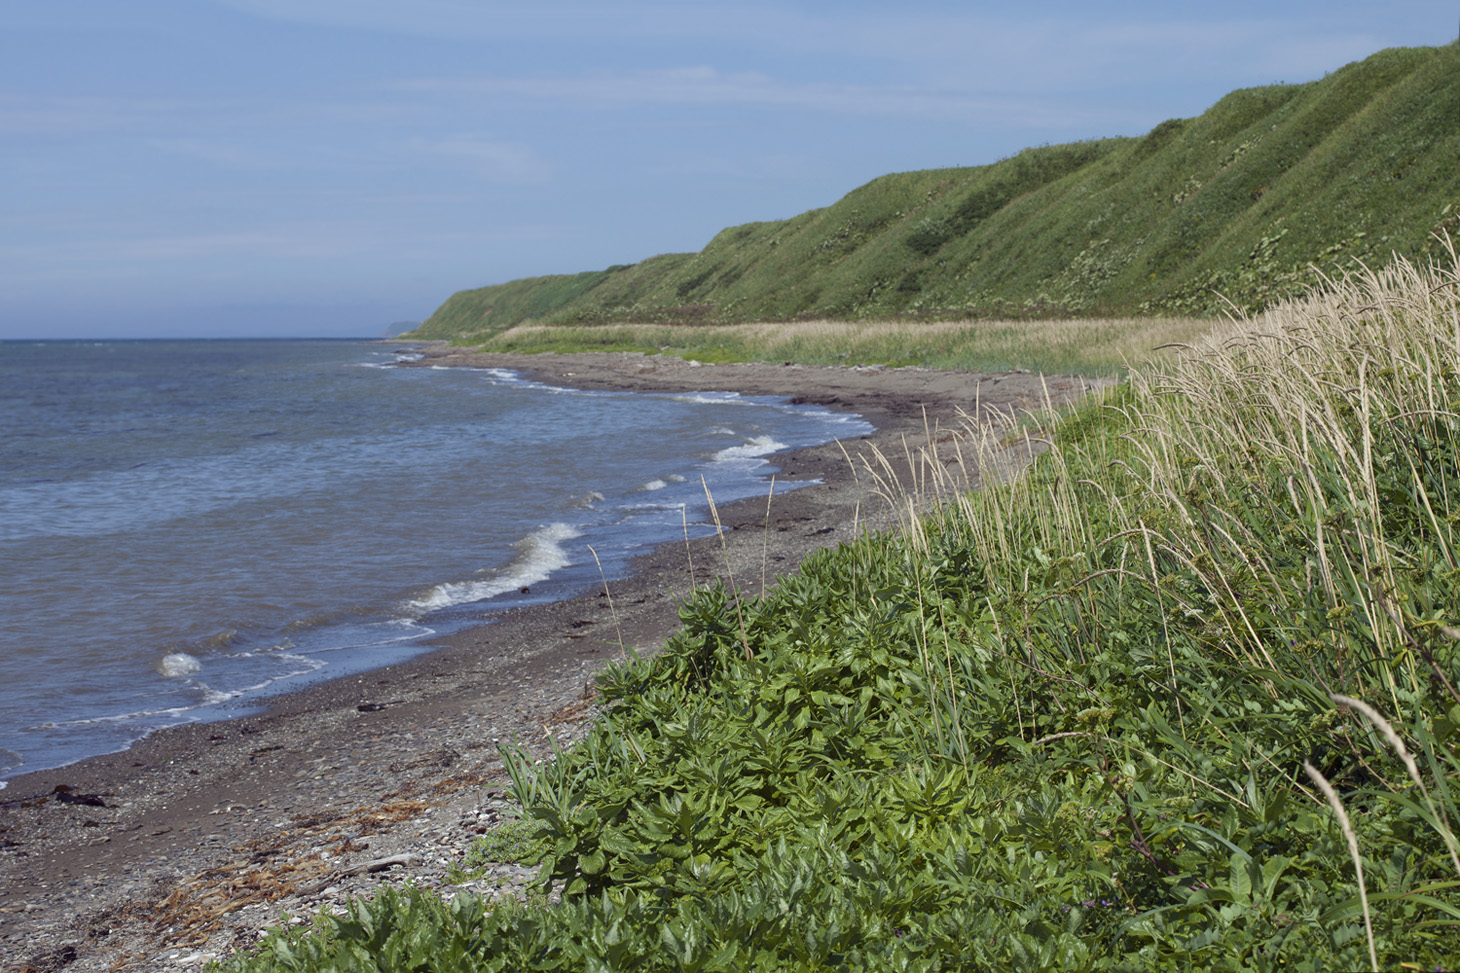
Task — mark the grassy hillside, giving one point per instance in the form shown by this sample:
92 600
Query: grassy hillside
1181 697
1236 204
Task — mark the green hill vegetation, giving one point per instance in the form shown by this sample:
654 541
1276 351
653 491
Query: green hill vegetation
1248 203
1181 696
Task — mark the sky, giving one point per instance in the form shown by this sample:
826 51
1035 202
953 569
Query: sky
294 168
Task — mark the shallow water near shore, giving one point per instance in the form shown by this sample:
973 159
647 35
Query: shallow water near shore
187 527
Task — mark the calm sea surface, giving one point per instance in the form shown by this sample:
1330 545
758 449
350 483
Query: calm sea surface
186 527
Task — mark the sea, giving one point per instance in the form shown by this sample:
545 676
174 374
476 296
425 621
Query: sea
189 527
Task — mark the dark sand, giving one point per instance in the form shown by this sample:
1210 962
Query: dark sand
183 846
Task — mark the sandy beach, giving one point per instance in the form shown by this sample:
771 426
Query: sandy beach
185 846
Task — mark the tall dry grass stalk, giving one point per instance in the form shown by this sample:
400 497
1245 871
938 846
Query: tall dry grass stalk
735 593
609 595
1439 820
1352 839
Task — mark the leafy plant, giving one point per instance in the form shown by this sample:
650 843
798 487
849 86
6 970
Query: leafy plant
510 841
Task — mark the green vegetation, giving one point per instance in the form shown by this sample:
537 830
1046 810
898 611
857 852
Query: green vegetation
1183 695
1240 204
510 841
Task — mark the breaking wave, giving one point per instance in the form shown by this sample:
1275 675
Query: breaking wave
178 664
540 554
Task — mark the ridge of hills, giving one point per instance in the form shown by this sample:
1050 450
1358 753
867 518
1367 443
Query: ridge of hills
1249 203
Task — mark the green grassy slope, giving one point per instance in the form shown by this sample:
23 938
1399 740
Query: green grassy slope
1082 720
1240 202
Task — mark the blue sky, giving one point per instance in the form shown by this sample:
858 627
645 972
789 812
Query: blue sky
327 167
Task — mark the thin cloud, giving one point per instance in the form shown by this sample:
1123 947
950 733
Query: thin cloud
30 116
289 242
706 86
123 256
492 161
228 154
1264 50
63 116
1042 49
558 21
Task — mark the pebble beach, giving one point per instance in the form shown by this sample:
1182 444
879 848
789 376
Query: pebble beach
194 842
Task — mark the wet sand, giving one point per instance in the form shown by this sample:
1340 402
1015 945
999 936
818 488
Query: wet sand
184 846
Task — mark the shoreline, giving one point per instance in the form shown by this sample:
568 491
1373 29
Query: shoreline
120 857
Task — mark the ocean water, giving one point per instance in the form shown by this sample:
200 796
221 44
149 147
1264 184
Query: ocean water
187 527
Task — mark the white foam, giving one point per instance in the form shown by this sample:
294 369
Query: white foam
306 653
279 654
10 763
507 376
541 553
634 511
658 483
750 449
212 697
306 666
711 398
170 711
179 664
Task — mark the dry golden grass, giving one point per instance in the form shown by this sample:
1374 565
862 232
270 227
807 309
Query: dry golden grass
1315 394
1089 346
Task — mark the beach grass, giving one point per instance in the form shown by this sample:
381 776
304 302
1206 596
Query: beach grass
1078 346
1182 694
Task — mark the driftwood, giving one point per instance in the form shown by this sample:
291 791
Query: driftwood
370 867
378 865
